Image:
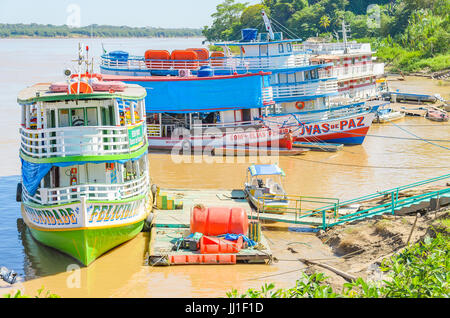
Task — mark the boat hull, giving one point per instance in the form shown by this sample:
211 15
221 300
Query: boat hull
348 131
254 137
85 231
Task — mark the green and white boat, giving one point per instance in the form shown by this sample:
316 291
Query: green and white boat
85 176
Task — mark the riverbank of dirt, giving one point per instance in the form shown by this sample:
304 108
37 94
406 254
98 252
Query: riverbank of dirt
363 245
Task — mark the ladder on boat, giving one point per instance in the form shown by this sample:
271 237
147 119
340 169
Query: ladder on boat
324 212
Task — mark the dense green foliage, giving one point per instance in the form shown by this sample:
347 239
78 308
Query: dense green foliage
40 30
409 34
420 271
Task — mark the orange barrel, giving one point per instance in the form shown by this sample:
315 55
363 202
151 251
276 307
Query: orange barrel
219 220
217 58
184 59
214 245
156 59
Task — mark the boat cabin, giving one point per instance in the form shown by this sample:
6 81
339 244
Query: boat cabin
89 144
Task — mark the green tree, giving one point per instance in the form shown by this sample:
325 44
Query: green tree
325 21
251 17
226 21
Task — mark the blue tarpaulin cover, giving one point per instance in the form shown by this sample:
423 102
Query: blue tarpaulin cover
32 173
235 237
202 94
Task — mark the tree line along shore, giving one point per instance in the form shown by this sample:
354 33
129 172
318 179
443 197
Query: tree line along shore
98 31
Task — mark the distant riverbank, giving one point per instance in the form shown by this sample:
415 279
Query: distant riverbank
34 30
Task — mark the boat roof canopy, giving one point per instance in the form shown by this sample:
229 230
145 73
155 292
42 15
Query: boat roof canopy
41 92
262 170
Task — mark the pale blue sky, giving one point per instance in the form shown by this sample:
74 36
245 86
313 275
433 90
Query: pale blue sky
156 13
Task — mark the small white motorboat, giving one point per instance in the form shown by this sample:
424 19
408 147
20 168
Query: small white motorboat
385 115
264 189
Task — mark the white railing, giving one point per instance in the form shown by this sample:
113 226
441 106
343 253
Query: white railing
154 130
92 192
343 72
332 47
267 94
235 124
227 63
307 89
75 141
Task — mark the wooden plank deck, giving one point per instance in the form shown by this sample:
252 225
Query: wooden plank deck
170 225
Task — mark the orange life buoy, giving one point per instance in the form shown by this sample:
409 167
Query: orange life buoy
302 105
85 88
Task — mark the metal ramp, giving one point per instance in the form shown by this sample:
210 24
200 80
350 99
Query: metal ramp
304 210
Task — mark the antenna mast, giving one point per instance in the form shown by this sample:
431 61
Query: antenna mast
268 25
345 29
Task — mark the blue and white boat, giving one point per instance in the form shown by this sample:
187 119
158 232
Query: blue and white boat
305 93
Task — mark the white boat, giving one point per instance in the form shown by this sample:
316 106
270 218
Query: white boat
85 185
387 115
264 189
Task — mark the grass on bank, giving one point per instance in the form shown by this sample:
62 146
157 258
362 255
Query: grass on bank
41 293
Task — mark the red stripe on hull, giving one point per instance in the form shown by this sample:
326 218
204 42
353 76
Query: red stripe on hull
359 132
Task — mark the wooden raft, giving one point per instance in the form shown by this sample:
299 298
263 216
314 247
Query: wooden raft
170 225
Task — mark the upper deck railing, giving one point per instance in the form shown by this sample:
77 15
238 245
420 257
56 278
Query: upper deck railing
81 141
245 63
317 87
92 192
351 71
332 47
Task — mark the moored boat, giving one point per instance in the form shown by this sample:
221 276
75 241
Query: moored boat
85 175
436 114
264 189
300 83
385 115
257 151
195 112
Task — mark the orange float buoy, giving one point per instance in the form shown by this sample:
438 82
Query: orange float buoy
184 59
217 58
80 88
300 105
156 59
219 220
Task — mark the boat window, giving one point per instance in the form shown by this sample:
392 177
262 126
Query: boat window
263 50
315 73
51 119
281 48
307 76
64 118
291 78
91 116
77 117
246 115
289 47
282 78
